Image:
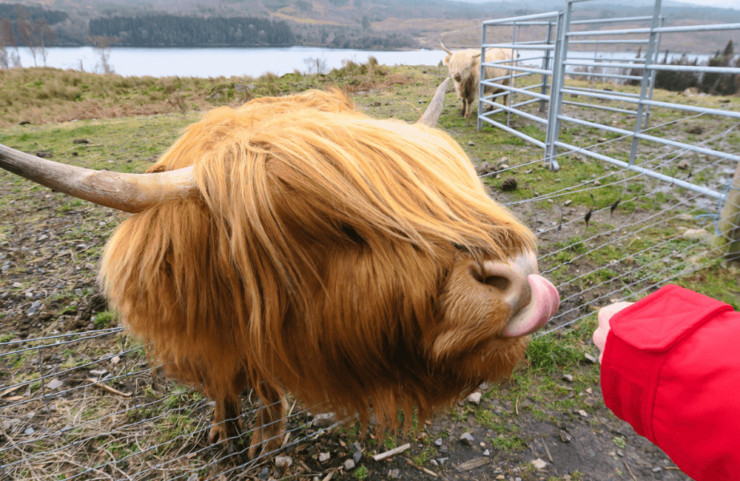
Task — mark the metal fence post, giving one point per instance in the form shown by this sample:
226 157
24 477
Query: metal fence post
646 75
729 219
546 66
481 87
653 73
556 96
512 78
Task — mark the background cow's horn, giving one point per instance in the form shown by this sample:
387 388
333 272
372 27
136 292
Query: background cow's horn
445 48
433 111
126 192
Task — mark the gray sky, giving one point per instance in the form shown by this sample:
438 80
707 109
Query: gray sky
717 3
735 4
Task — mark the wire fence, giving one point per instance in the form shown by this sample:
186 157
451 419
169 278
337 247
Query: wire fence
88 404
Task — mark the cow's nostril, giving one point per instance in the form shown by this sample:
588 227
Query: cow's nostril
457 77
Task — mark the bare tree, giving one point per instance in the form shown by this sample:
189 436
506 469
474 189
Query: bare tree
8 57
43 35
25 31
101 46
4 42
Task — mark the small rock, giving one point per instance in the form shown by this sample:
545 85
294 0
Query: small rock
485 168
684 164
29 431
486 453
44 154
442 461
583 413
565 436
539 464
568 377
283 462
620 453
567 202
657 469
98 372
264 475
597 183
324 457
590 358
695 234
474 397
115 360
324 420
349 465
55 384
438 442
356 456
471 143
355 447
395 474
444 450
467 439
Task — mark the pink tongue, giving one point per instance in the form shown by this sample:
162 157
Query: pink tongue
545 302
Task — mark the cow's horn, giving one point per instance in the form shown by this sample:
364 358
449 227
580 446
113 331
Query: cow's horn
433 111
126 192
445 48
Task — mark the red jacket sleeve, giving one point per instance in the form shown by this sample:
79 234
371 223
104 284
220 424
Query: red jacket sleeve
671 368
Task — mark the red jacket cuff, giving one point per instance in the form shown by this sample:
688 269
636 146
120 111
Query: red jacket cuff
636 347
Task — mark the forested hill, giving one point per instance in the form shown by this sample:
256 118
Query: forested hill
366 24
190 31
176 31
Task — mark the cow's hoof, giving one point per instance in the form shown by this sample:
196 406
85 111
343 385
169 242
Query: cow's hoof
223 432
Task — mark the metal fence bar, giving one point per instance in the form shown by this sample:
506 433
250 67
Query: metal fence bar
660 140
689 108
515 132
522 18
681 29
642 170
611 20
676 68
600 107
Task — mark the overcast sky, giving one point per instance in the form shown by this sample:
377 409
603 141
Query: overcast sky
716 3
735 4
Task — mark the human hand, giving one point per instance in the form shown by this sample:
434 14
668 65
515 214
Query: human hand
605 315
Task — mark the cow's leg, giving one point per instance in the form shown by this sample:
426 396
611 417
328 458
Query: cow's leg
464 106
269 425
226 423
467 109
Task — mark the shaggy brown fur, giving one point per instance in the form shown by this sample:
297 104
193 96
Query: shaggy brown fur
328 256
464 69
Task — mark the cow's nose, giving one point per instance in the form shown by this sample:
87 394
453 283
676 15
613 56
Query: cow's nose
457 77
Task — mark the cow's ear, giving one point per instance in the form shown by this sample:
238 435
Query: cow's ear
446 60
476 56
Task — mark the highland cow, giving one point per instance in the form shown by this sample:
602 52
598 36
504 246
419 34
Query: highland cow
297 245
464 70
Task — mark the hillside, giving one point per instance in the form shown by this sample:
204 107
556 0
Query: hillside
379 24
